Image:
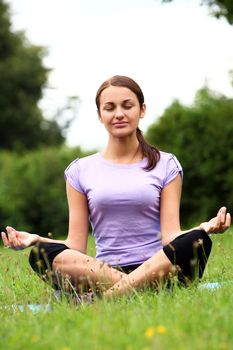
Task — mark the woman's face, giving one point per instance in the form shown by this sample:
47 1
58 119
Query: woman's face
120 111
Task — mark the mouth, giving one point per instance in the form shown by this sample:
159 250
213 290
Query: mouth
120 124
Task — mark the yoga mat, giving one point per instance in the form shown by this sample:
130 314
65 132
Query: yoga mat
214 285
34 308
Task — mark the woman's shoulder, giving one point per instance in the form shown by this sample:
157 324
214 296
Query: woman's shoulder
167 156
169 161
77 167
83 161
169 165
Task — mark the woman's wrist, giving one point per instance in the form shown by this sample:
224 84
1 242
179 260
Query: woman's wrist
36 238
203 227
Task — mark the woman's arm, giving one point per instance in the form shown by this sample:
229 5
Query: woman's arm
78 220
170 219
170 210
78 227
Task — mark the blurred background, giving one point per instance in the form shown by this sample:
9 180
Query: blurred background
53 57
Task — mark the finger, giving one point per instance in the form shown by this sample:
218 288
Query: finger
222 209
15 242
226 225
12 238
5 240
217 222
227 221
9 229
222 214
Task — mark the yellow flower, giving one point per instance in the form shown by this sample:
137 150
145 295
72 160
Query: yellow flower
35 338
161 329
149 332
223 346
65 348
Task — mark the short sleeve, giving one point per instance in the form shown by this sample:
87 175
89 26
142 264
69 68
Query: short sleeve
172 169
72 175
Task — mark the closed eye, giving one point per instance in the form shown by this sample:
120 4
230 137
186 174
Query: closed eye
109 107
127 106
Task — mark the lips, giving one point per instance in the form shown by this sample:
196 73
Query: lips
120 124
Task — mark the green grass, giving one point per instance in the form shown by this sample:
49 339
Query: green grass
191 318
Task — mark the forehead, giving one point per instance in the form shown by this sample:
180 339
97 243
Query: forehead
117 94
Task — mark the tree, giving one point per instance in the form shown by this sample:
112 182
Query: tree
201 137
218 8
23 77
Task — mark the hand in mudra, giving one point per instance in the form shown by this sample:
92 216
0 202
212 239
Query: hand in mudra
18 240
219 224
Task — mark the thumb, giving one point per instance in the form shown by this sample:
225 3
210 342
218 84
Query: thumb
9 228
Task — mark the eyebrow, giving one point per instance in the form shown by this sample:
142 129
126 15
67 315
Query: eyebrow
125 101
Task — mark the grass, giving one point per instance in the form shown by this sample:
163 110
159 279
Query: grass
191 318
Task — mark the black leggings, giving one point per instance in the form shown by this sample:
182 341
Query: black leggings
189 252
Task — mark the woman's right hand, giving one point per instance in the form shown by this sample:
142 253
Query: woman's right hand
18 240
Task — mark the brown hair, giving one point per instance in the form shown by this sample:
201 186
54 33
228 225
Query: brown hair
149 151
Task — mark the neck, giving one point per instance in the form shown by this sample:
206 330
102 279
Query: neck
122 151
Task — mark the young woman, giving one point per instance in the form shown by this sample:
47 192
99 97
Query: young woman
130 193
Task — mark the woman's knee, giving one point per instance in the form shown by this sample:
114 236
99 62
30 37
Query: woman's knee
41 260
42 255
190 253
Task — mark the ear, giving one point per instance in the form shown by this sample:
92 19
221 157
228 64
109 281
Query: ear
143 111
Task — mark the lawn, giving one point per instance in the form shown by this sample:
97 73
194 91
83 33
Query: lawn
192 318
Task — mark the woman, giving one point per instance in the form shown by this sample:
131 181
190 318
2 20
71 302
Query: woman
131 193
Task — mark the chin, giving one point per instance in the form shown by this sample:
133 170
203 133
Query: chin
122 133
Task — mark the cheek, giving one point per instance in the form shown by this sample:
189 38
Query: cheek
105 118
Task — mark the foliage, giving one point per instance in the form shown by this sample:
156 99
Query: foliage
218 8
201 137
23 78
32 190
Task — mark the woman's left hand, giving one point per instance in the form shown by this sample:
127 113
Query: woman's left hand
219 224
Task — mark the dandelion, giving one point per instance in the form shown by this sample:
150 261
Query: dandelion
150 331
161 329
65 348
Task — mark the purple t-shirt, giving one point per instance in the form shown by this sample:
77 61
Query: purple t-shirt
124 204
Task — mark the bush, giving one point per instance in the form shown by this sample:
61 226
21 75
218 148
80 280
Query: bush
32 190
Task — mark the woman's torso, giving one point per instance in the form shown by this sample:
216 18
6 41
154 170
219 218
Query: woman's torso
124 205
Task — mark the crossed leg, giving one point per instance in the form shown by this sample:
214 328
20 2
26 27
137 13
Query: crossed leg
72 270
189 251
85 271
154 270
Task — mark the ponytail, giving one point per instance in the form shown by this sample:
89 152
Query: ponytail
150 152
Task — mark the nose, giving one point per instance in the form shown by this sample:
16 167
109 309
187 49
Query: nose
119 113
